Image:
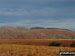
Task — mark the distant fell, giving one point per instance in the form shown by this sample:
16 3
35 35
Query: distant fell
8 32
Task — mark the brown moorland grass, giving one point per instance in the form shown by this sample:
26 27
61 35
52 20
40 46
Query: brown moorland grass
38 42
29 50
8 32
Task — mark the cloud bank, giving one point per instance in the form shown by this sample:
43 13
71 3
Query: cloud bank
46 13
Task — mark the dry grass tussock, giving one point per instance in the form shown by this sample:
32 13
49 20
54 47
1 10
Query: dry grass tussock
29 50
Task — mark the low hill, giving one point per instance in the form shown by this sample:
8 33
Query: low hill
8 32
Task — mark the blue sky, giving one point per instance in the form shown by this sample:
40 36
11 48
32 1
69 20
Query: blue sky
32 13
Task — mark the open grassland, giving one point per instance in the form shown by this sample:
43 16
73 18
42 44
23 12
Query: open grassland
37 47
29 50
38 42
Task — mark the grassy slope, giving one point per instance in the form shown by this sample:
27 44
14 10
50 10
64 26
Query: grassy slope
15 33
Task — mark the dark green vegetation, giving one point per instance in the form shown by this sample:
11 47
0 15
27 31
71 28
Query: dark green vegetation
54 44
73 44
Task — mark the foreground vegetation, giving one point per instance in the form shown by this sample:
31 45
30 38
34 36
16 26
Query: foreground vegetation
29 50
30 47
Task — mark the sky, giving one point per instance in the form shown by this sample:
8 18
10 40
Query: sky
38 13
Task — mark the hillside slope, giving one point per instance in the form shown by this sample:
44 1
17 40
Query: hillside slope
8 32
